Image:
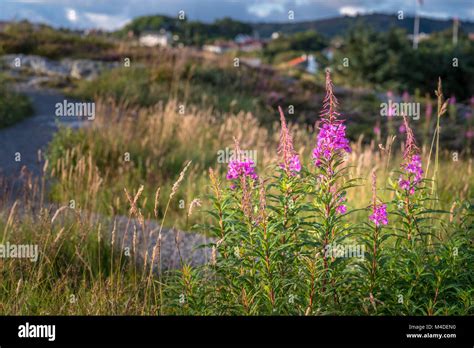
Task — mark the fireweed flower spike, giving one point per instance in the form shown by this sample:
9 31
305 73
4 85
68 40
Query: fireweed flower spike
412 163
332 132
379 211
331 139
290 161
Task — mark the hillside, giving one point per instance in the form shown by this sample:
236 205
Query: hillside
228 28
339 25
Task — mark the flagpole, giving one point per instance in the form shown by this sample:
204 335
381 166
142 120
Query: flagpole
455 30
416 27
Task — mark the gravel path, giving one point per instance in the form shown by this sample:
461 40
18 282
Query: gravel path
138 240
175 246
31 134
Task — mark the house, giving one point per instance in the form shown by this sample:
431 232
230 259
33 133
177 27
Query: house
220 47
421 36
152 39
241 38
242 42
250 45
306 62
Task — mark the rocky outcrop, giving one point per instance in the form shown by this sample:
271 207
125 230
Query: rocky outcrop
74 68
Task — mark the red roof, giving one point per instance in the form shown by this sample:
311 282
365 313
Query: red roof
297 61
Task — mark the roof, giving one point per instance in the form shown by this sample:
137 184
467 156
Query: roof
297 61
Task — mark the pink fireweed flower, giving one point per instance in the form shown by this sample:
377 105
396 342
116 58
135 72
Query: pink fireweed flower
379 211
412 165
332 132
240 166
341 209
340 201
295 165
406 96
331 139
429 110
377 130
290 160
391 111
379 215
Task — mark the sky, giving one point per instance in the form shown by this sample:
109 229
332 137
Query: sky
113 14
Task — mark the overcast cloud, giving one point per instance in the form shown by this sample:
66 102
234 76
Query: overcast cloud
112 14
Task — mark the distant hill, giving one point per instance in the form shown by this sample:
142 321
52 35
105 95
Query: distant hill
339 25
191 32
199 32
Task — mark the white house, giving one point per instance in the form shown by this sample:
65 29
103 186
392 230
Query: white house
220 47
152 39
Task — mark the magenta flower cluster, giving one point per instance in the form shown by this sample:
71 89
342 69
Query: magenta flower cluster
295 164
379 216
341 209
238 169
414 174
331 139
340 201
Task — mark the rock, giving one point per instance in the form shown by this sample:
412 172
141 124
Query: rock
74 68
38 65
86 69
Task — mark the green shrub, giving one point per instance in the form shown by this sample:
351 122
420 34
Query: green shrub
14 107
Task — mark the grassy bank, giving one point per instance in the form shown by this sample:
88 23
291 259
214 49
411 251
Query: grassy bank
14 107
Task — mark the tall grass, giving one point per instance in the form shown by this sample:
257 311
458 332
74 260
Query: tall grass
270 235
130 146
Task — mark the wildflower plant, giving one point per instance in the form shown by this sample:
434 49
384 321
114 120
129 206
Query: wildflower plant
372 237
273 238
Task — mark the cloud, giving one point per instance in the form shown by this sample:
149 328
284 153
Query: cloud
71 15
104 21
264 9
352 10
28 1
109 14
